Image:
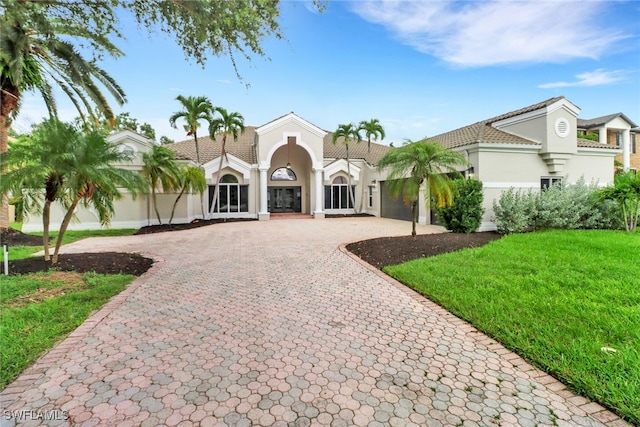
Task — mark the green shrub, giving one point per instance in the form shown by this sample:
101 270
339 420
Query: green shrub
558 207
515 210
465 214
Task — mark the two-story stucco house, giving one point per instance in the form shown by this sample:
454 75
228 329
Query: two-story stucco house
615 129
290 165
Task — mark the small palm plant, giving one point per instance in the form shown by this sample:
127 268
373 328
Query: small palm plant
422 162
161 170
625 192
190 179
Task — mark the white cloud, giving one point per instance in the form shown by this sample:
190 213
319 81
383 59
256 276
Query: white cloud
597 77
484 33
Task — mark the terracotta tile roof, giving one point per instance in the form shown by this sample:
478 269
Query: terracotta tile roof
587 143
599 121
241 148
525 110
244 150
478 132
356 150
484 132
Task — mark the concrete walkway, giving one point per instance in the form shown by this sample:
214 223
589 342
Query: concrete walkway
273 324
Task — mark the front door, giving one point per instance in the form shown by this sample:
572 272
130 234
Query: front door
285 199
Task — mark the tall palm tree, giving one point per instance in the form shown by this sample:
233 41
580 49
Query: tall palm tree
348 132
95 181
227 124
194 110
190 179
41 162
161 170
417 163
34 55
372 129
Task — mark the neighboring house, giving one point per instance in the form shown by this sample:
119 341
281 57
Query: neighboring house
615 129
289 165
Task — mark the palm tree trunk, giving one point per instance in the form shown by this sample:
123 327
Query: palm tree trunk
216 188
63 228
351 195
173 209
46 218
4 203
414 219
195 138
155 204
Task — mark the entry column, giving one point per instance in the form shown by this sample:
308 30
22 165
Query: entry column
263 214
318 213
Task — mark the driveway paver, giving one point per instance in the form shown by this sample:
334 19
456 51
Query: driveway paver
273 324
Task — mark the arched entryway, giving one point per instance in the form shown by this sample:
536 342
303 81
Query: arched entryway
289 179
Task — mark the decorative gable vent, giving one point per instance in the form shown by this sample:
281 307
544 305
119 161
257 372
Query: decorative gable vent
562 127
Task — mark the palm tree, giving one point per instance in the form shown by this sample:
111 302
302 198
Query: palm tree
372 129
33 56
35 164
348 133
94 180
227 124
194 109
161 170
417 163
190 179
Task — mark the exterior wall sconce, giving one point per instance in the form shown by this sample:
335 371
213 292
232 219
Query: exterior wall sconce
373 182
470 172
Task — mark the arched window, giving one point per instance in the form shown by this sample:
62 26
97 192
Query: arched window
336 195
283 174
232 196
228 179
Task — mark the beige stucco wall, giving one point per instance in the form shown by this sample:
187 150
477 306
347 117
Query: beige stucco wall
534 128
500 170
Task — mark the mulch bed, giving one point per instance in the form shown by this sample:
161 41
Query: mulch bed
379 252
385 251
193 224
103 263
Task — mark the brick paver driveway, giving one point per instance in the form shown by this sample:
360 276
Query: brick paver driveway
272 324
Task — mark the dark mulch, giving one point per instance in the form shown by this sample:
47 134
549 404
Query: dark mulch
103 263
379 252
386 251
193 224
18 238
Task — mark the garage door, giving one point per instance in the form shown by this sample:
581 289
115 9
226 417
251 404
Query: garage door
390 208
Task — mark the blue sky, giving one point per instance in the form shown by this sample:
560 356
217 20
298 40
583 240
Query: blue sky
420 67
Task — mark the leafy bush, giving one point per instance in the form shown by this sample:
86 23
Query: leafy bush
558 207
465 214
514 211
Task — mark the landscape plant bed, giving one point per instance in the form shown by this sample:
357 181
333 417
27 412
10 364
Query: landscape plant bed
101 262
567 301
149 229
385 251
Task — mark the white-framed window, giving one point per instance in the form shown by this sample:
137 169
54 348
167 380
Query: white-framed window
370 196
336 195
548 181
232 196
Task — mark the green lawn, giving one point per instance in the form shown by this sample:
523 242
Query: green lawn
39 310
556 298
